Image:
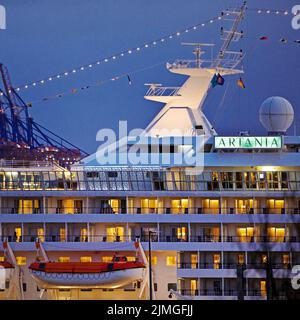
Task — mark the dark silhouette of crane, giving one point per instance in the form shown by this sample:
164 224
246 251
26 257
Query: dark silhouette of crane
21 138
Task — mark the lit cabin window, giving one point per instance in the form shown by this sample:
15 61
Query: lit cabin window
85 259
2 259
154 260
64 259
171 261
21 261
285 259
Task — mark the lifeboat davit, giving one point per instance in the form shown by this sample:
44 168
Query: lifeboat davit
117 273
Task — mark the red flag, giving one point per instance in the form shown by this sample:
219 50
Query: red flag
263 38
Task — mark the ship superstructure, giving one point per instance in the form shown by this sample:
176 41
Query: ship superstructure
230 231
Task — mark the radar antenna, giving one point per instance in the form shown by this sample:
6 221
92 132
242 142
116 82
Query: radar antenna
197 50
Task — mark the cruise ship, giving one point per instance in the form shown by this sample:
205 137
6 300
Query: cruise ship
191 215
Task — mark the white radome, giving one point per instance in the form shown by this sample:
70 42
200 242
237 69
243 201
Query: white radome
276 114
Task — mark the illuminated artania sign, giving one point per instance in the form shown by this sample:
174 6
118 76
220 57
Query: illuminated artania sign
245 142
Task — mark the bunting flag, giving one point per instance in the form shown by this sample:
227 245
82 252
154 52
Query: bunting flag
220 80
126 52
214 81
263 38
241 83
217 80
297 41
129 80
283 40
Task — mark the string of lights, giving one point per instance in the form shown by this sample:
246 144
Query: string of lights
75 90
129 51
121 54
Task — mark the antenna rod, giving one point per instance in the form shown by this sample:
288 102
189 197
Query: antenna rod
240 15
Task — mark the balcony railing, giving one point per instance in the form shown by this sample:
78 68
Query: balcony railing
144 238
226 265
143 210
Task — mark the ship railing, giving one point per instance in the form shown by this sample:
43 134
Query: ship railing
24 163
226 265
108 209
157 90
184 63
145 238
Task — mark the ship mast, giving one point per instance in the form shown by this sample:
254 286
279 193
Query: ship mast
183 105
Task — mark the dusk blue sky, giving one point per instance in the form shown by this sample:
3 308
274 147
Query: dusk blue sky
48 37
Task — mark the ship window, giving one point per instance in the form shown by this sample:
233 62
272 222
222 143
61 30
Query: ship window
21 261
154 260
64 290
85 259
263 288
171 261
64 259
241 258
264 258
245 234
155 286
276 234
92 174
1 258
112 174
24 287
285 259
172 286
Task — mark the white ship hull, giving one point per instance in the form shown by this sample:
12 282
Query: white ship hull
114 279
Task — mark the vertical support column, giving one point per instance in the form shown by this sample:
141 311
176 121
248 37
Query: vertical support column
222 232
44 227
87 204
1 232
246 279
223 286
189 231
158 232
222 259
198 259
66 231
88 231
221 205
45 209
127 232
127 208
22 232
